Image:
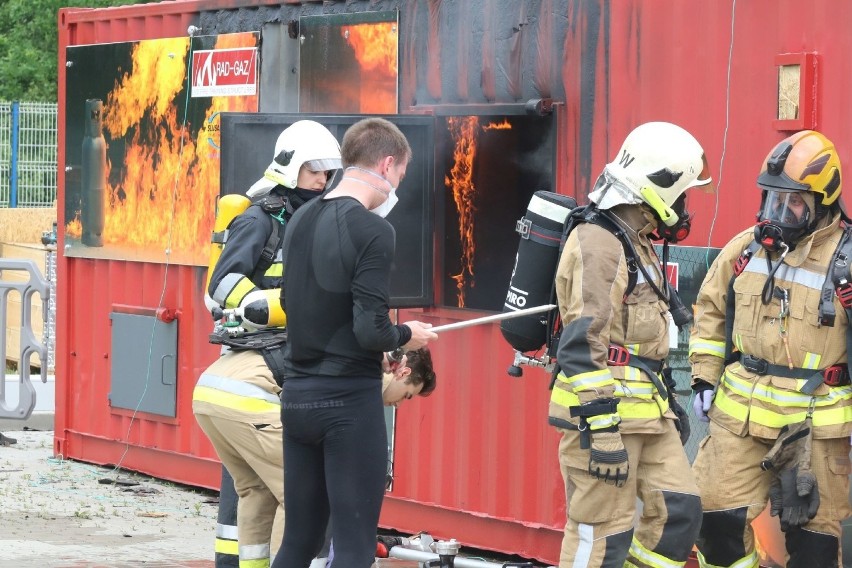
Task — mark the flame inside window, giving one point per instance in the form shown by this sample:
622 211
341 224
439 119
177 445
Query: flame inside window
161 178
491 166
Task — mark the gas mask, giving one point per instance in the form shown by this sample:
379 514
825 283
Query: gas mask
680 230
785 217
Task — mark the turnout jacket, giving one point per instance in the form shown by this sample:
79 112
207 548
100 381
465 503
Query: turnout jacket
591 281
759 405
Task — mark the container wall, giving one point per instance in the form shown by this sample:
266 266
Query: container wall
476 461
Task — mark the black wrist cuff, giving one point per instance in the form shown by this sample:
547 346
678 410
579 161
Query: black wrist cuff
701 385
404 334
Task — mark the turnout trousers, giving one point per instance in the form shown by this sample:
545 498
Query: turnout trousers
242 421
734 491
600 530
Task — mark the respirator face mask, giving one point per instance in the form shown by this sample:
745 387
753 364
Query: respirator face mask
680 230
784 218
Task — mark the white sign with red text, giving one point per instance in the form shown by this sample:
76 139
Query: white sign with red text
224 72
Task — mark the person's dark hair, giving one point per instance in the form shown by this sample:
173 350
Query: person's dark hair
420 363
368 141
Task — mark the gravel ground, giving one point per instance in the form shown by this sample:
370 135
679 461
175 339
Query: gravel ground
59 513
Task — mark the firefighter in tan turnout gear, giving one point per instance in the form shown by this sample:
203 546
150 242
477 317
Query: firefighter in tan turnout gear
770 340
236 400
610 400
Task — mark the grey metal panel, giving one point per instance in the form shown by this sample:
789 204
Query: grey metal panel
279 70
144 364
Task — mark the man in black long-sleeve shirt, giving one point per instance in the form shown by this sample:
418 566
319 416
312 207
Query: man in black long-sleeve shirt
338 252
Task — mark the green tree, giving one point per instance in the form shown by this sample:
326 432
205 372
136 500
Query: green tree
29 32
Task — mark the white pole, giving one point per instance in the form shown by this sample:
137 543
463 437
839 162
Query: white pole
495 317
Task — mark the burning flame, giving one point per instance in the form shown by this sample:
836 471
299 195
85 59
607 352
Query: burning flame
464 132
376 48
165 196
505 125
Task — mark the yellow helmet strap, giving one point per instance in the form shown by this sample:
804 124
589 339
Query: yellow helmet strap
666 213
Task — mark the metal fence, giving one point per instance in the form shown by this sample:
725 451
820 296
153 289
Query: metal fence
27 154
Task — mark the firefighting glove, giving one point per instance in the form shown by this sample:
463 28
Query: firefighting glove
794 496
599 421
703 399
608 458
791 448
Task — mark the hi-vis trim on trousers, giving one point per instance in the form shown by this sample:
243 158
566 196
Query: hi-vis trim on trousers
650 558
254 556
234 394
750 561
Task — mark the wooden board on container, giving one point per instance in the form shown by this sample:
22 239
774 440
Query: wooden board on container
21 251
25 224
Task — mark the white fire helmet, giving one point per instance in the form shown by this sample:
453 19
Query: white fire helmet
657 163
303 142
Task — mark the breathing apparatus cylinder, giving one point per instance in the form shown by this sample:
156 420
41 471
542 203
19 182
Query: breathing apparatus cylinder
93 174
228 207
531 283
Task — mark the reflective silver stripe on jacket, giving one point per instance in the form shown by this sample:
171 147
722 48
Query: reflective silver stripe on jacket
792 274
236 387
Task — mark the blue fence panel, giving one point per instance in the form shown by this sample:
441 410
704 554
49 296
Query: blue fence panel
28 153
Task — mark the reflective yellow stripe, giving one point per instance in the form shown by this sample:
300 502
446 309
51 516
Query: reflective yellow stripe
784 397
787 398
562 397
233 401
651 558
224 546
812 360
632 374
633 348
635 389
738 343
626 409
238 292
602 421
276 269
650 409
825 417
259 563
707 347
749 561
824 412
730 407
587 381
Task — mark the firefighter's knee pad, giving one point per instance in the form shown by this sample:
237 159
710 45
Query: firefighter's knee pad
720 539
617 545
808 548
683 520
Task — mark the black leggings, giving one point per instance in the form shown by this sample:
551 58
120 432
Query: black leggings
335 456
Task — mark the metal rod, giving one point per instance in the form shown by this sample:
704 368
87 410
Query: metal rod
495 317
421 556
